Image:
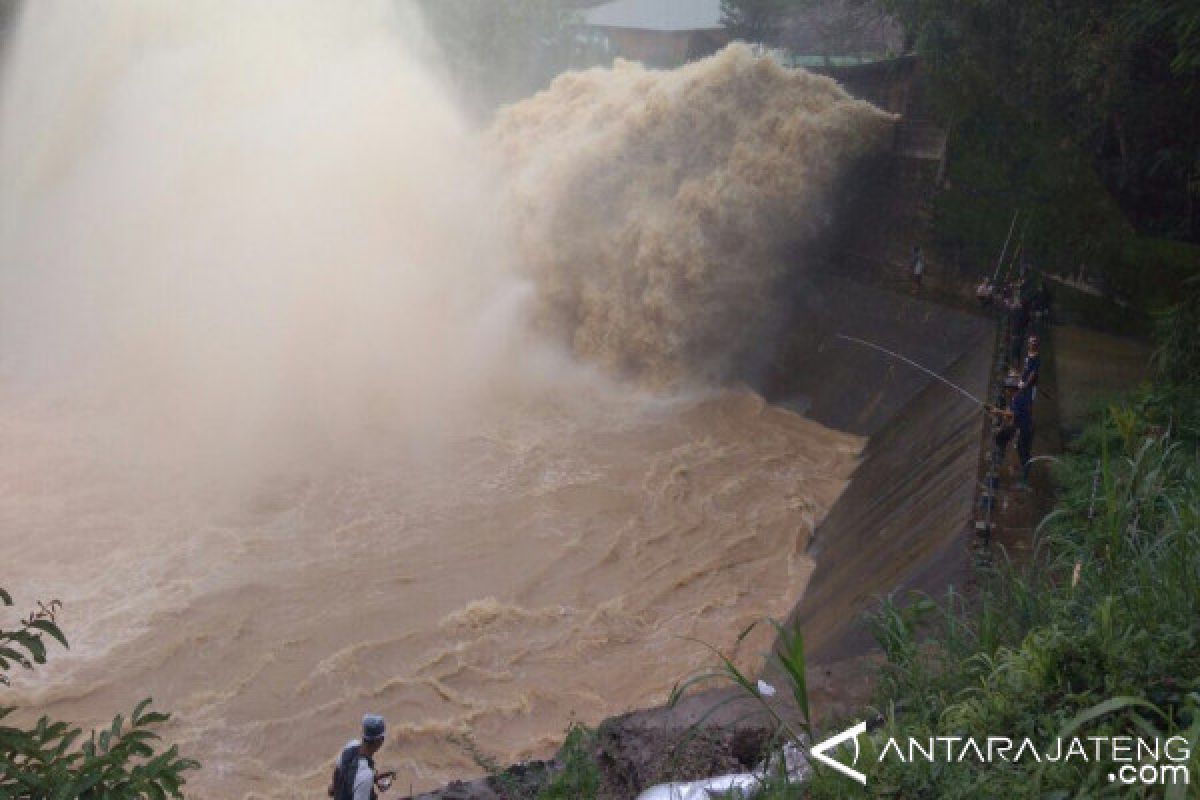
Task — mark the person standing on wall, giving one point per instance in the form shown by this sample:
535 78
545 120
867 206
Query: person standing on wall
918 267
1016 420
985 292
1031 367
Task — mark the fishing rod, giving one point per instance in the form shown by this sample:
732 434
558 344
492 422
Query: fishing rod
914 364
1017 253
1016 256
1007 239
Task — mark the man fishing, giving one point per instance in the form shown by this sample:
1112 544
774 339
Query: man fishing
1015 416
354 775
1016 419
984 292
1031 367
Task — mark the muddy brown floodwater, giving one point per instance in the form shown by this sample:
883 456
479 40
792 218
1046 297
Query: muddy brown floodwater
542 569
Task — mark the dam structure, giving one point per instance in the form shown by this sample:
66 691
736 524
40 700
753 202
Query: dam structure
904 521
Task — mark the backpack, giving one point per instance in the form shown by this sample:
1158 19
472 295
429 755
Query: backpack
344 773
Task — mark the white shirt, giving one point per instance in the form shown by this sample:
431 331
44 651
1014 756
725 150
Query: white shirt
364 780
364 777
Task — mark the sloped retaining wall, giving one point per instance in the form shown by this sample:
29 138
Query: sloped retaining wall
903 522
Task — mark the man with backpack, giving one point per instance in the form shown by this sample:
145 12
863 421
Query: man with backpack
354 776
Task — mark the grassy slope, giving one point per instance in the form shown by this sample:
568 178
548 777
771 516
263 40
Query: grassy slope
1110 609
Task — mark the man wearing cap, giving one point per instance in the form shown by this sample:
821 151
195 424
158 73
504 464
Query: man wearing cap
1016 419
354 775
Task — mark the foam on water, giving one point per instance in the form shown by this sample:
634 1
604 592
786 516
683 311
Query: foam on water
650 205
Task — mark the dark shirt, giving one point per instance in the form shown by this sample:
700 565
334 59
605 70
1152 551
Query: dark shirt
1022 408
345 776
1033 365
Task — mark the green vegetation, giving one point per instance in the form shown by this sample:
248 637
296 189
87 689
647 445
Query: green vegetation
1096 635
574 776
1086 116
580 777
1115 79
787 657
1178 354
51 759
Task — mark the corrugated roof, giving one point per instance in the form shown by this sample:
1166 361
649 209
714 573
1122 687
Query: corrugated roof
657 15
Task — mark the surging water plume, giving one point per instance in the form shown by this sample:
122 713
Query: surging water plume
650 205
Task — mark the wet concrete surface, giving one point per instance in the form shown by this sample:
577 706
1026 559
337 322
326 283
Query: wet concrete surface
904 521
856 389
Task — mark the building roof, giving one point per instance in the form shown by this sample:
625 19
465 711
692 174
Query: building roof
657 15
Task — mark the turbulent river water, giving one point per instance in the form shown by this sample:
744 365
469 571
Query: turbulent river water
316 401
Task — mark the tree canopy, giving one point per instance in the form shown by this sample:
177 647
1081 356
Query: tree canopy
1117 78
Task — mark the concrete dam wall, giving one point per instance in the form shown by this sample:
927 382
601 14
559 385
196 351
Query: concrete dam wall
901 523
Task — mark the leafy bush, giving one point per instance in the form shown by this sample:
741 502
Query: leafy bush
1178 354
52 759
580 776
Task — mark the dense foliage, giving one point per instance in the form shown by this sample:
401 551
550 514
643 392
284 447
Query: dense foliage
1178 353
53 759
1116 78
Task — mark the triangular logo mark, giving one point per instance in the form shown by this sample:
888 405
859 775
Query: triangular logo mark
819 750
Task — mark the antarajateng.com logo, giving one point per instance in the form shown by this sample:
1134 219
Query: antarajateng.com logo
1130 760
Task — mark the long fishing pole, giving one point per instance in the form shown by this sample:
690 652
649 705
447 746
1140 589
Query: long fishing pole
914 364
1017 253
1016 256
1007 239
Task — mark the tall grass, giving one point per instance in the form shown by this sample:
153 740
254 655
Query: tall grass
1098 635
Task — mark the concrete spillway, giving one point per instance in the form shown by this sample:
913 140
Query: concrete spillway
901 522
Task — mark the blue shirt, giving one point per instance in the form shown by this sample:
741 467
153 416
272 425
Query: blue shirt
1033 365
1022 408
